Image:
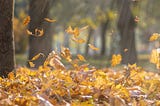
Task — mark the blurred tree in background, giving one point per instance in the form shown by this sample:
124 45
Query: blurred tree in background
38 11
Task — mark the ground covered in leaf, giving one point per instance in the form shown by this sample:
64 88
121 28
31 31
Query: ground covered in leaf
84 86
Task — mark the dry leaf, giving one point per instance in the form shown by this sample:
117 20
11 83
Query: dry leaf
37 56
93 47
81 58
78 40
31 64
49 20
125 50
39 32
27 20
154 37
116 59
29 32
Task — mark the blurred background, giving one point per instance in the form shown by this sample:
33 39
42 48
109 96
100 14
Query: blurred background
114 26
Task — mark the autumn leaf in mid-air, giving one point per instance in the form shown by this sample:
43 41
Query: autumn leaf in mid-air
49 20
125 50
93 47
116 59
78 40
39 32
29 32
37 56
74 31
27 20
81 58
154 37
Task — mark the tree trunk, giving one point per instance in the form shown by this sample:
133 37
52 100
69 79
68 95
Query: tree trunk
88 41
126 26
38 10
7 61
103 36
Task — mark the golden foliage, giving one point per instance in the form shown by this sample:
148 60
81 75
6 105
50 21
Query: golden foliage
80 57
116 59
93 47
79 87
26 20
154 37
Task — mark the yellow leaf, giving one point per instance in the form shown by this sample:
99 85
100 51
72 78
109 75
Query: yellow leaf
65 53
78 40
154 37
81 58
37 56
39 32
26 20
74 31
93 47
11 75
49 20
116 59
154 56
31 64
29 32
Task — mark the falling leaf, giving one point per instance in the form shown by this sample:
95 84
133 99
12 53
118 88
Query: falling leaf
29 32
39 32
31 64
116 59
78 40
125 50
72 31
154 56
154 37
81 58
27 20
37 56
65 53
136 19
93 47
49 20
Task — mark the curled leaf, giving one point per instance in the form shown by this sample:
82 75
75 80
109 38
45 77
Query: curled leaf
49 20
29 32
39 32
93 47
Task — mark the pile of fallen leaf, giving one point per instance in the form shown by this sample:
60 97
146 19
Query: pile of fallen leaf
83 86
